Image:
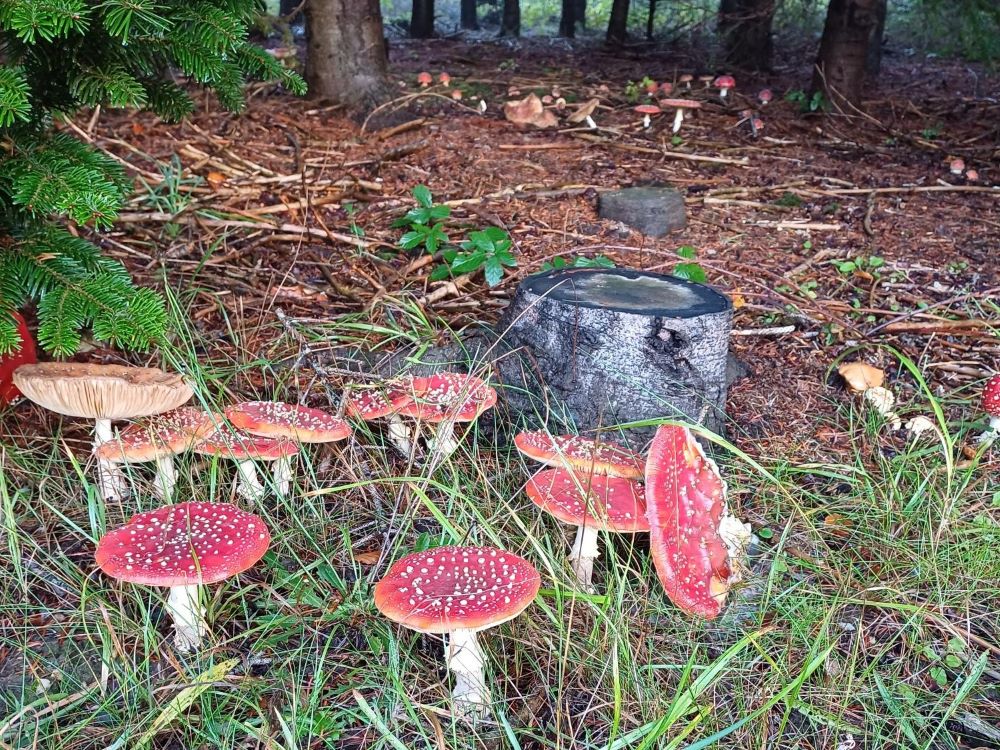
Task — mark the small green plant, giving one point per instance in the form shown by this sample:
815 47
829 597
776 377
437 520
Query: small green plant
426 223
600 261
930 133
171 195
632 91
814 103
691 270
861 263
488 249
789 200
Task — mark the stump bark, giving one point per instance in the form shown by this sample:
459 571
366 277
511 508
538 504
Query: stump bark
598 348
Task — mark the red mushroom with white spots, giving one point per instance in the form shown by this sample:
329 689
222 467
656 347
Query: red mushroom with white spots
458 591
159 438
694 541
275 419
184 547
244 449
385 402
991 405
591 503
724 84
582 455
445 399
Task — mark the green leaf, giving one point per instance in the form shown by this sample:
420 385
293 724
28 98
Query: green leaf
493 271
440 273
422 194
412 239
691 272
687 251
468 262
181 702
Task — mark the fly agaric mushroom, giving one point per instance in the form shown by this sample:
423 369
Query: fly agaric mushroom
458 591
445 399
243 448
444 79
646 110
991 405
957 165
184 547
591 503
372 404
693 539
25 354
679 105
666 88
159 439
764 96
456 94
581 455
724 83
971 175
275 419
102 393
424 79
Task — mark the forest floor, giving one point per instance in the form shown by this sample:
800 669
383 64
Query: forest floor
874 609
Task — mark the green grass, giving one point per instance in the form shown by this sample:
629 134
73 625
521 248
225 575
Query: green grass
861 627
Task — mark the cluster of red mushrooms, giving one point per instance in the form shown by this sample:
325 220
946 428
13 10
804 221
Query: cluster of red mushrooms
663 97
675 493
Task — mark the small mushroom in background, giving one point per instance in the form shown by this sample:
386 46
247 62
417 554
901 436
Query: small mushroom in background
991 405
302 424
868 381
372 404
764 96
184 547
444 79
679 105
581 455
244 449
647 111
971 175
685 80
706 81
424 79
159 438
724 84
651 87
456 94
666 88
457 592
957 165
102 393
25 354
591 503
695 543
444 399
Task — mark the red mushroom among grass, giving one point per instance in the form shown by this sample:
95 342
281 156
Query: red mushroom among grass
445 399
24 354
991 405
693 539
244 449
591 503
184 547
582 455
275 419
385 402
458 591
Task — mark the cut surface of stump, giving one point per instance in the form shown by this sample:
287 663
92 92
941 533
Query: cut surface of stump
654 211
598 348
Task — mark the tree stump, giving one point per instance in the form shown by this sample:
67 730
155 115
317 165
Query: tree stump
654 211
597 348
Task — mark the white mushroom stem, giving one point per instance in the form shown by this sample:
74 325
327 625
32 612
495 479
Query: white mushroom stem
110 478
283 475
722 94
444 441
188 616
678 119
399 435
465 659
249 485
166 478
992 433
582 555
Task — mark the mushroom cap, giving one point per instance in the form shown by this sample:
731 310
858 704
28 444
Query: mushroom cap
606 503
449 396
424 78
666 87
183 545
991 396
765 95
444 589
585 455
685 502
24 355
725 82
228 442
685 78
680 103
280 420
647 109
444 78
159 436
376 403
78 389
860 376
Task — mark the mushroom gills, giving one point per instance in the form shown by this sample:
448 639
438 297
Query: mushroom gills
188 615
464 658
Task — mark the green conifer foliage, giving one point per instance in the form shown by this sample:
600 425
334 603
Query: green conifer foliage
58 56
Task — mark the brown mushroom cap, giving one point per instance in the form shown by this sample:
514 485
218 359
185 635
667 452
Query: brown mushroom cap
680 103
445 589
449 396
584 454
861 376
602 502
377 403
182 545
279 420
159 436
242 446
91 391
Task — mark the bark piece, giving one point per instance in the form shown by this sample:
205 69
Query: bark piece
654 211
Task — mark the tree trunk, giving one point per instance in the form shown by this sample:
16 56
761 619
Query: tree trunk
510 25
581 14
469 15
745 28
650 20
843 51
618 23
346 54
873 63
567 20
604 347
422 19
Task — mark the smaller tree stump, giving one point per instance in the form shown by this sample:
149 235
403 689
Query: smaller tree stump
597 348
654 211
